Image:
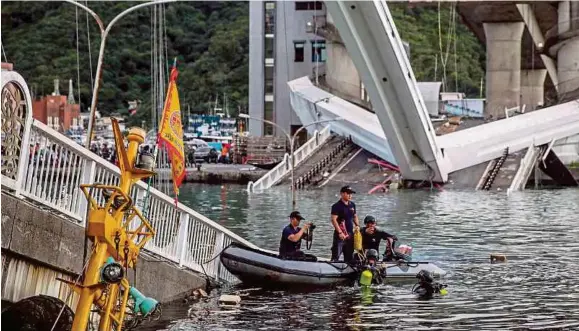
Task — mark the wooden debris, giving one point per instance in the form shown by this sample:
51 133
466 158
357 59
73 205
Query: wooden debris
226 300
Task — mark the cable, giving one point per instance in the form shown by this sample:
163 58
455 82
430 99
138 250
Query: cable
77 56
4 52
71 291
89 52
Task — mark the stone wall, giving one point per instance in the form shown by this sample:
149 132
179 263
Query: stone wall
49 240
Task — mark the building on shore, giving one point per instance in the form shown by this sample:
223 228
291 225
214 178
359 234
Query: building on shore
283 45
289 40
59 112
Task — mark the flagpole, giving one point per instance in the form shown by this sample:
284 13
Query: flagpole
156 148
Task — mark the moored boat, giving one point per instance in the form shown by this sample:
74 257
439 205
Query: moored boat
259 267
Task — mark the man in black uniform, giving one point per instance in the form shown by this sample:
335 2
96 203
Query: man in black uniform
344 219
291 238
371 237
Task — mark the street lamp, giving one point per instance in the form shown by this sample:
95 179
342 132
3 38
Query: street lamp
291 141
104 34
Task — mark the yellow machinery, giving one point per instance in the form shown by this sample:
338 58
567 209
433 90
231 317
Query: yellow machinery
118 231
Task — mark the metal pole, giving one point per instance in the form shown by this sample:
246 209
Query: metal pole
292 176
104 34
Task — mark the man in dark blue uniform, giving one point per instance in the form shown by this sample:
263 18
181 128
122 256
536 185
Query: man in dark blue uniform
344 219
291 237
371 237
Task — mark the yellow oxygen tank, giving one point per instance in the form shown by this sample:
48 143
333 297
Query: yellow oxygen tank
366 278
357 241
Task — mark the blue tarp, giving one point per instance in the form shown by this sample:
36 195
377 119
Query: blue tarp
216 145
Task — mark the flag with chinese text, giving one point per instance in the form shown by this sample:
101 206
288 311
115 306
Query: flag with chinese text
171 132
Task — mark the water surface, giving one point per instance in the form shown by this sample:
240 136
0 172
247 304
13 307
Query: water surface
537 289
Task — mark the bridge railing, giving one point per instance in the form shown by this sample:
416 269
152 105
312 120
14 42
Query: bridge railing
276 174
53 166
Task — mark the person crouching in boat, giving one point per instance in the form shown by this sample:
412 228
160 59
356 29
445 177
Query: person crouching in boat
291 238
371 238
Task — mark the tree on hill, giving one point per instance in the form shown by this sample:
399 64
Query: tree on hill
210 41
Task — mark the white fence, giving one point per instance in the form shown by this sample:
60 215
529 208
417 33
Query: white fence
526 166
273 176
50 167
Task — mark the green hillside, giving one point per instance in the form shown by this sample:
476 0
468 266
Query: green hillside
209 39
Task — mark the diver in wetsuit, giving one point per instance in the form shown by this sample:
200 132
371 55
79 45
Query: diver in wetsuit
378 273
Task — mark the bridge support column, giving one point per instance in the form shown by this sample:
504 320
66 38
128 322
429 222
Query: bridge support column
567 58
503 76
532 88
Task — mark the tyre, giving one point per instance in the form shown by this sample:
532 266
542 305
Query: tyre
37 313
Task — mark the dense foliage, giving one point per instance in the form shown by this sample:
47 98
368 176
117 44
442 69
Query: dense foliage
209 39
420 27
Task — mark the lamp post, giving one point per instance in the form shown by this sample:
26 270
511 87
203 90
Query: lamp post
291 141
104 33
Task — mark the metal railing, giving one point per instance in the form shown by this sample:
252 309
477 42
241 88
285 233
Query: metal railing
57 166
284 167
43 165
526 166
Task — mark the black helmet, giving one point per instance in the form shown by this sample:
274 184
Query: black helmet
369 219
372 254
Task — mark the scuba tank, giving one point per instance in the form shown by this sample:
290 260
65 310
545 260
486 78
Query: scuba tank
366 278
357 240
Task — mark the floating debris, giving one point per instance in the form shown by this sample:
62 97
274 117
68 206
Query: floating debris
498 258
229 301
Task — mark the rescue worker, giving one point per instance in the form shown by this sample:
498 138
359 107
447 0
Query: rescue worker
344 221
291 237
371 238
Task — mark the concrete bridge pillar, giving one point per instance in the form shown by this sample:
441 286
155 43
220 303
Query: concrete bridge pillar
568 47
532 88
503 76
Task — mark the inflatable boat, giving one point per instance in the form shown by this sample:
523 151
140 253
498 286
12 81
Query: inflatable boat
260 267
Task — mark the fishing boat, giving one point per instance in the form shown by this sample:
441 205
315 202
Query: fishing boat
256 266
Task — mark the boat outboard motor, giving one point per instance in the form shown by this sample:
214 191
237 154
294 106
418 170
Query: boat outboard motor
426 285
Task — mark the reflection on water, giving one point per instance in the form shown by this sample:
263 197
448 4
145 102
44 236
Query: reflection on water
536 289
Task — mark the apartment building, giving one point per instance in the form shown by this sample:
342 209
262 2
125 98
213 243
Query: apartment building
283 45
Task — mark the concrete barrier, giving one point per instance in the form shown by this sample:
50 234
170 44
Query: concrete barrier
45 239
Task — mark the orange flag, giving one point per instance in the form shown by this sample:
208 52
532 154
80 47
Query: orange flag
171 132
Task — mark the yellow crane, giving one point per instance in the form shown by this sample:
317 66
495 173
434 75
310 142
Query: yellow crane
118 231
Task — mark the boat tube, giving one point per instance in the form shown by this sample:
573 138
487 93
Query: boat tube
255 266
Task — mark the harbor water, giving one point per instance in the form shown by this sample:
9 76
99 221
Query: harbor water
536 289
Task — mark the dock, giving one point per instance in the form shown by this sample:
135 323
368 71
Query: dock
211 173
